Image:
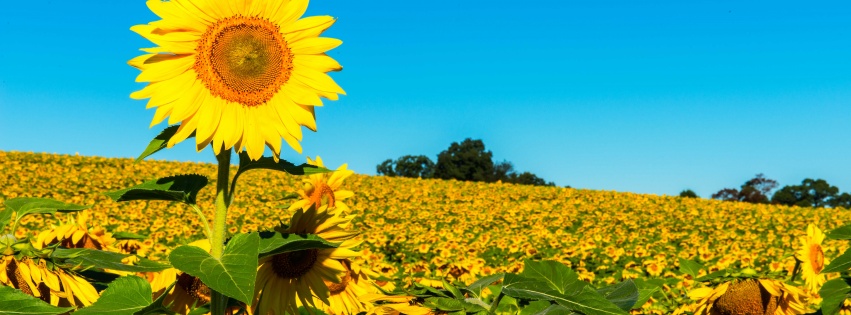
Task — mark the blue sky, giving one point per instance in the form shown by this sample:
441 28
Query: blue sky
641 96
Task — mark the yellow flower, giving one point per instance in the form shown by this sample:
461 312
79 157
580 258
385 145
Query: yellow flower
343 296
76 234
845 308
239 74
53 285
188 293
812 258
324 189
287 280
749 297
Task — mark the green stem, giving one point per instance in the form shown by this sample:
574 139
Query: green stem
218 302
495 303
796 270
207 232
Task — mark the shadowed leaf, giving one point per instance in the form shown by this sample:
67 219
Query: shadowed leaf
124 296
183 188
16 302
233 275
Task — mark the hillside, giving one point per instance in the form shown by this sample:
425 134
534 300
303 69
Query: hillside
457 230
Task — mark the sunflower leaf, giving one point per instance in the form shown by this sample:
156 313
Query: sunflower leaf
841 263
26 206
646 289
233 275
16 302
554 309
690 267
623 294
128 236
833 293
273 243
840 233
246 164
183 188
587 301
475 288
86 258
124 296
160 142
555 274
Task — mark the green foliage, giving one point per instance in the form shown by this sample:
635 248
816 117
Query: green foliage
475 288
85 258
841 263
16 302
273 243
407 166
840 233
755 190
688 193
124 296
690 267
468 161
623 294
160 142
233 275
833 294
181 188
26 206
812 193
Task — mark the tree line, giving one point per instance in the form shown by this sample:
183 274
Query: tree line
467 161
810 193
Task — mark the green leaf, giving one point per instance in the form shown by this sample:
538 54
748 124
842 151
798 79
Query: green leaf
128 236
833 294
160 142
452 289
273 243
841 263
475 288
85 258
452 305
126 295
623 294
690 267
555 274
16 302
588 301
840 233
183 188
246 164
158 306
26 206
555 309
535 307
646 289
5 217
714 275
233 275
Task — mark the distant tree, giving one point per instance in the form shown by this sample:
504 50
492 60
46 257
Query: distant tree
811 193
501 171
407 166
688 193
755 190
527 178
842 201
466 161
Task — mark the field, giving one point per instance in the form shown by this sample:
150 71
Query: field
418 230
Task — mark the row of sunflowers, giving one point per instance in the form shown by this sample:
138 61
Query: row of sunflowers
403 235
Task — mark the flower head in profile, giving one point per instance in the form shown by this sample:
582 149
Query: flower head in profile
812 258
324 188
51 284
76 233
236 74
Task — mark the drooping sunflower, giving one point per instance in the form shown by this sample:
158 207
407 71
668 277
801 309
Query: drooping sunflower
76 233
749 297
324 188
812 258
50 284
343 296
286 281
187 293
238 74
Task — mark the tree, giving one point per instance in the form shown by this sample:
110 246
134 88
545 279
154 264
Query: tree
842 201
811 193
501 171
467 161
407 166
527 178
688 193
755 190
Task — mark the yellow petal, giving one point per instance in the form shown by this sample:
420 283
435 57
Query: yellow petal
314 45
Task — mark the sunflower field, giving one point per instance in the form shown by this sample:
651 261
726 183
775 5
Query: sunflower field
439 235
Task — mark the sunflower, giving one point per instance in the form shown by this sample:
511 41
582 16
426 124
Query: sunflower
76 234
237 74
187 294
287 280
845 308
749 297
324 188
50 284
812 258
343 296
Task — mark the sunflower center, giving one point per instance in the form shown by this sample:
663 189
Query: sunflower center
244 60
745 297
817 258
294 264
322 190
194 287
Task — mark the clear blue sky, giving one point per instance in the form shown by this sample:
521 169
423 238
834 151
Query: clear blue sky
640 96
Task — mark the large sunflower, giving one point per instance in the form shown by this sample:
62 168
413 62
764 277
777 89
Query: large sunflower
812 258
237 74
324 188
749 297
343 296
77 233
50 284
286 281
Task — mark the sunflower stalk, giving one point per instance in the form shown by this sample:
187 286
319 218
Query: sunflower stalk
218 302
